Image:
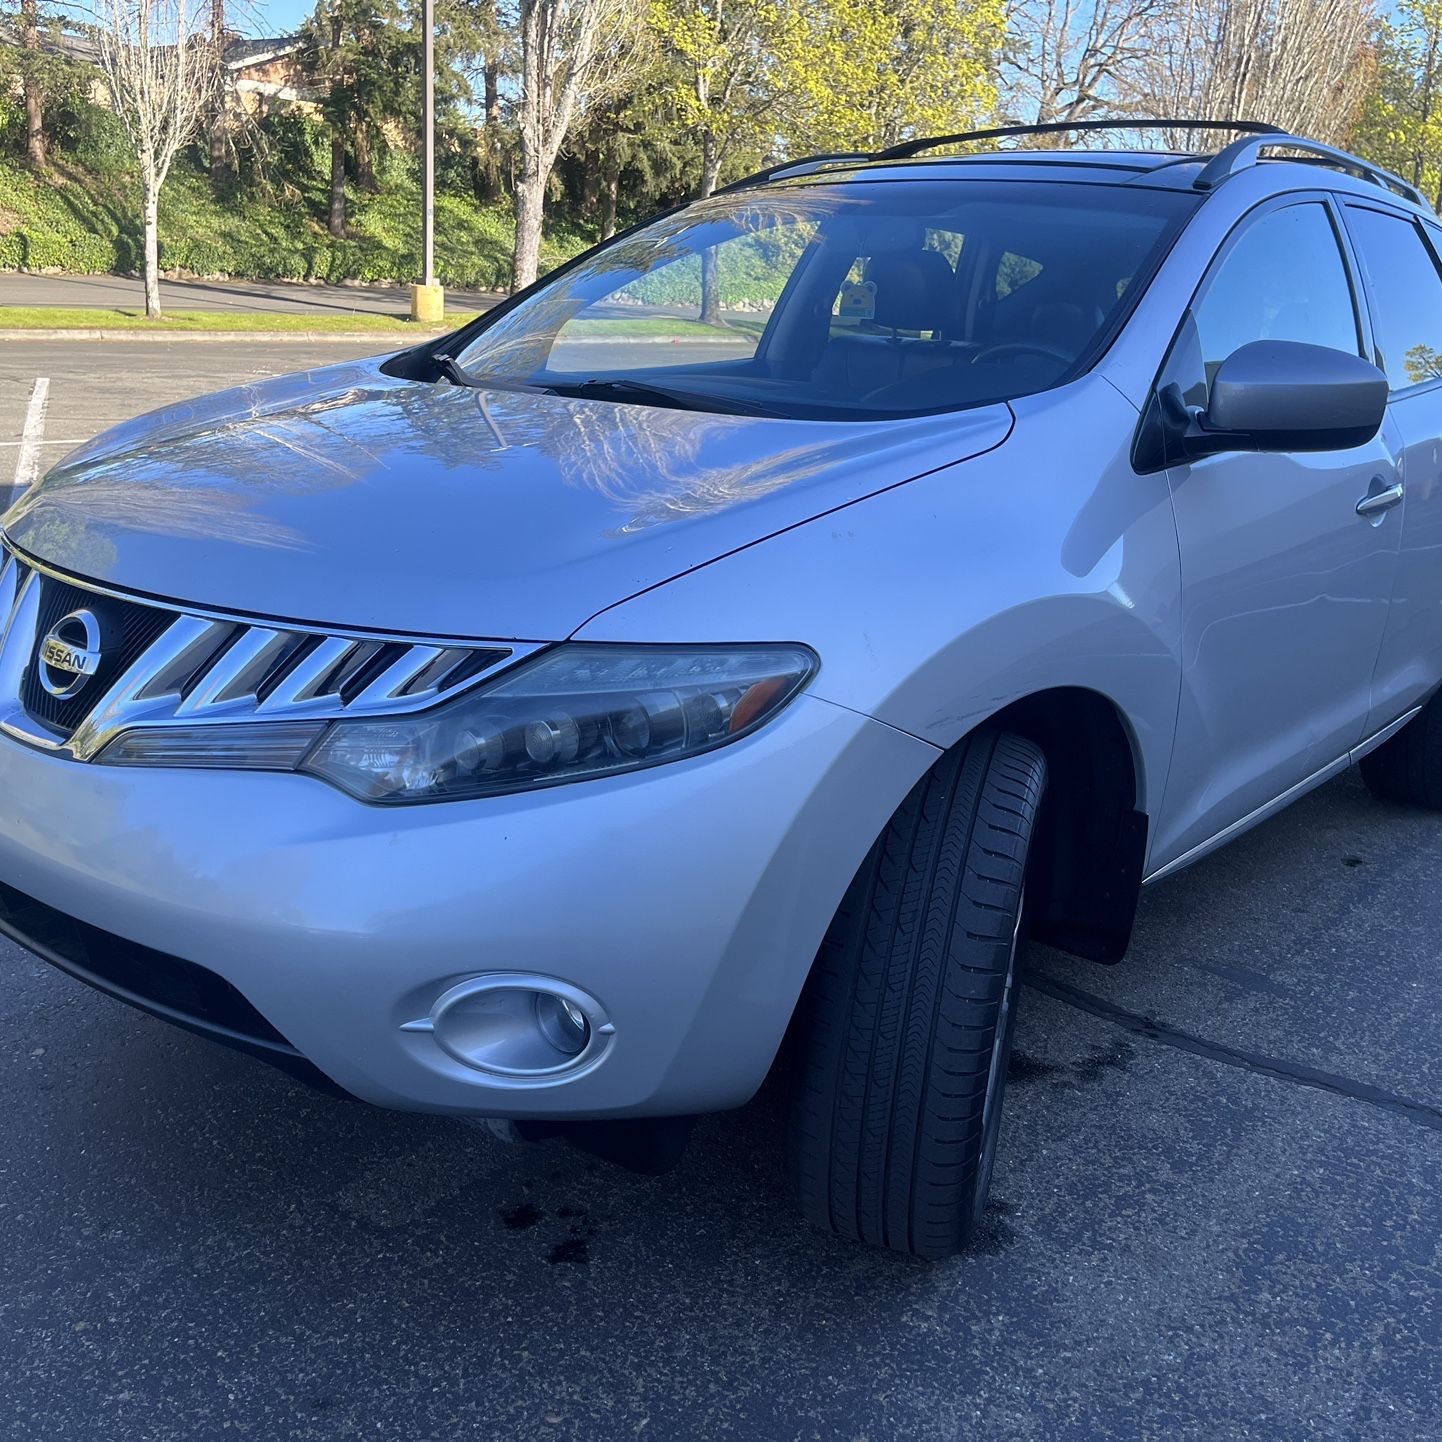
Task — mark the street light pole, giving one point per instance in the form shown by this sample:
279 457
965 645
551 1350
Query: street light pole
428 300
428 125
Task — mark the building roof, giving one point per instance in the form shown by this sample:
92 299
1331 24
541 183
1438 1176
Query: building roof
243 51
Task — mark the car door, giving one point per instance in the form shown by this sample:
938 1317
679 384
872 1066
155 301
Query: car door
1404 294
1285 588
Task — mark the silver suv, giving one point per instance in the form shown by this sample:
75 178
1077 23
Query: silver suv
545 723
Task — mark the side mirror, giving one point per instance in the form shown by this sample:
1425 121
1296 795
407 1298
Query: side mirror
1281 395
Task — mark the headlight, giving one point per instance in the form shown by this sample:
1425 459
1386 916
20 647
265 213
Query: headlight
574 713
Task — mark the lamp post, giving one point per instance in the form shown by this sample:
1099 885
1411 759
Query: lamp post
428 300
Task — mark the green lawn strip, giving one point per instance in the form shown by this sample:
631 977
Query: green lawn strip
42 317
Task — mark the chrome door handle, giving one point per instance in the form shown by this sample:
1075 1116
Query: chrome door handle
1380 501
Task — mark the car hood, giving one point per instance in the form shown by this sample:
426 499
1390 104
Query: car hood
348 497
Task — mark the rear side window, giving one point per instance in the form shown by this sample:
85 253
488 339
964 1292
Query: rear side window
1282 279
1014 272
1406 296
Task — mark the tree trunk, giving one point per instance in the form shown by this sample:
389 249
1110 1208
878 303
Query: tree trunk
34 96
710 313
610 197
591 172
337 185
530 205
488 166
1429 76
217 145
218 115
151 206
365 170
493 92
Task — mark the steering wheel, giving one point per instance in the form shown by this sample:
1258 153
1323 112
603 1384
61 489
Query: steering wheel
1022 347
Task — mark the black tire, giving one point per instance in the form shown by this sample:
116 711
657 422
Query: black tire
902 1038
1408 767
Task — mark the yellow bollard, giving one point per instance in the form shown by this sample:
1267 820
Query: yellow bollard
428 304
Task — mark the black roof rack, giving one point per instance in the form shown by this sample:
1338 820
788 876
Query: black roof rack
908 148
1245 152
796 167
1255 136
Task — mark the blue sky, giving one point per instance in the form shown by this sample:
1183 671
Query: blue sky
275 17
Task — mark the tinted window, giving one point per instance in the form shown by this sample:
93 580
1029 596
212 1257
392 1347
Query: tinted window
1014 272
1282 279
1406 296
841 301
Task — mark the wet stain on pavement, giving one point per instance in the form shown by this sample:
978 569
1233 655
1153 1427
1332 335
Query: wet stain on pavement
994 1233
574 1250
1116 1057
1022 1069
521 1218
1064 1076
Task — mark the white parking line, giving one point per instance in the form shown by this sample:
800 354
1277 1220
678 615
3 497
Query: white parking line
27 460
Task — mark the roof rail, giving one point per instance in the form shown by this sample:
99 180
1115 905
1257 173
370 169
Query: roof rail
807 163
796 167
1241 154
1255 136
908 148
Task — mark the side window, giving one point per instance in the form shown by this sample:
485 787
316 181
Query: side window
1014 271
1406 296
1282 279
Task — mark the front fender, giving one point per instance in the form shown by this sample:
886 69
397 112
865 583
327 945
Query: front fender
1046 563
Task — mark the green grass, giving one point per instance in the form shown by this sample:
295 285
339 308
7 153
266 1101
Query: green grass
42 317
83 217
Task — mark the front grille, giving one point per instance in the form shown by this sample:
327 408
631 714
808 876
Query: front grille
127 630
164 665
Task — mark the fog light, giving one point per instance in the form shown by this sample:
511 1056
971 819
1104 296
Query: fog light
563 1023
518 1027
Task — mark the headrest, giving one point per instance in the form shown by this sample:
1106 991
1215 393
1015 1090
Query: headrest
915 290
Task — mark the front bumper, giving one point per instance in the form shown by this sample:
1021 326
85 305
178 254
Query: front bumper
689 900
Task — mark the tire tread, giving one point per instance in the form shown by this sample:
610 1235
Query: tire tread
898 1023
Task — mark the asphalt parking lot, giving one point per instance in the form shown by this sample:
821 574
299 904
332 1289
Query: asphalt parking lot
283 297
1217 1212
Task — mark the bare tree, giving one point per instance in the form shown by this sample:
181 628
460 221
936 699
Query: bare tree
160 75
1401 124
1077 59
1302 64
574 53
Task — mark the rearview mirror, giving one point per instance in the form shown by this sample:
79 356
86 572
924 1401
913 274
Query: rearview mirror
1281 395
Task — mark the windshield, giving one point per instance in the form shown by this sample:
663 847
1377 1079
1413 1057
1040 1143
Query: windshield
846 302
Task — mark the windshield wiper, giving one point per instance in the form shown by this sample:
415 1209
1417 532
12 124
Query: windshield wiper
454 371
647 394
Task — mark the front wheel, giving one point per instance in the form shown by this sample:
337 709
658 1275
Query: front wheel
904 1032
1407 767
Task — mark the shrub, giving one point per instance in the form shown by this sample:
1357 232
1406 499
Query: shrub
85 217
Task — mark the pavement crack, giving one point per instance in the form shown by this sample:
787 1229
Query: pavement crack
1296 1072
